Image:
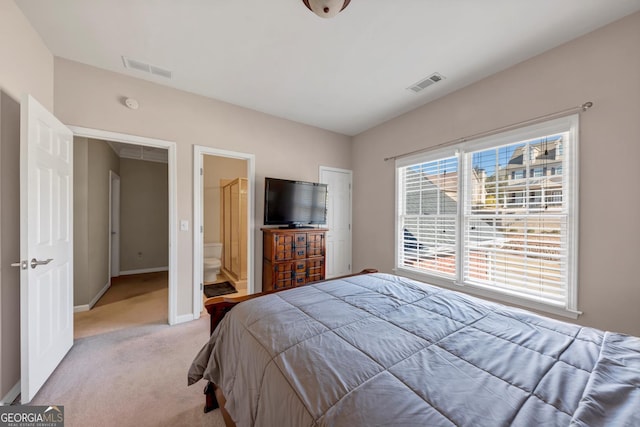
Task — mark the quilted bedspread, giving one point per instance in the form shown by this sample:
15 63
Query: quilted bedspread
381 350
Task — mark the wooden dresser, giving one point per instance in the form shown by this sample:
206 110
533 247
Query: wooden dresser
292 257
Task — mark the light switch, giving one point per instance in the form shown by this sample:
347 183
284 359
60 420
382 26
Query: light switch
184 225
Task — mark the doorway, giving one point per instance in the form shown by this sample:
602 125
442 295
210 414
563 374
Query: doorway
40 129
230 175
121 213
170 147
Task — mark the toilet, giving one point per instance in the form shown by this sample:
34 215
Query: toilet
212 263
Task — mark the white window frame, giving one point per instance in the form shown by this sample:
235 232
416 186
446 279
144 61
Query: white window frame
571 184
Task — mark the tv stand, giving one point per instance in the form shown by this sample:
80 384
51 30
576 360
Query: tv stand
292 257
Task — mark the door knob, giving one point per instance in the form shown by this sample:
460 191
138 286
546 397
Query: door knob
21 264
35 262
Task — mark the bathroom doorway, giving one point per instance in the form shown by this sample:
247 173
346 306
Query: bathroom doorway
223 224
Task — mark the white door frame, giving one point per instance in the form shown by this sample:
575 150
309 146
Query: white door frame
350 173
114 216
170 146
198 153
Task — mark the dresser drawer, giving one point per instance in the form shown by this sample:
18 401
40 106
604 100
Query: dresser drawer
292 257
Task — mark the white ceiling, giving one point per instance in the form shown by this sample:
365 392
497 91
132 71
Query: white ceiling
345 74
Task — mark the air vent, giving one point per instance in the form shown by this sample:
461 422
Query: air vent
147 68
423 84
160 71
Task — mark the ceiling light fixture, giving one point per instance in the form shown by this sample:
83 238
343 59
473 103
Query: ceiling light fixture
326 8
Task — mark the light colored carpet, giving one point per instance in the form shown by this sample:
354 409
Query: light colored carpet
132 377
127 366
130 301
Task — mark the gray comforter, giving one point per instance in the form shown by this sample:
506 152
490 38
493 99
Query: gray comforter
381 350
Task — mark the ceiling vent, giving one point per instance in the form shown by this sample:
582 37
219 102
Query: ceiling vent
423 84
133 64
139 152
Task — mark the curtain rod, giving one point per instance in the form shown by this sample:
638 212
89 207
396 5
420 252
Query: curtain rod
557 114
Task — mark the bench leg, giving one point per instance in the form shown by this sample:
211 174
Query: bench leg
211 402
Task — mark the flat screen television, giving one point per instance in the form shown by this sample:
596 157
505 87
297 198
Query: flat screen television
294 204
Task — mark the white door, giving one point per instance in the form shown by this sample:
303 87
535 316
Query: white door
46 245
114 190
338 243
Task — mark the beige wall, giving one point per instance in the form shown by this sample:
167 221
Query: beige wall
81 222
144 215
215 169
89 97
91 217
102 159
9 242
26 66
603 67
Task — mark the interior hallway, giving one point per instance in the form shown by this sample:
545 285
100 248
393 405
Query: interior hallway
132 300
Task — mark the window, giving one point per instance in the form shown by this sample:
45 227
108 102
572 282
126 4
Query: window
468 216
429 225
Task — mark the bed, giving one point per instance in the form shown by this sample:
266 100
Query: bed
378 349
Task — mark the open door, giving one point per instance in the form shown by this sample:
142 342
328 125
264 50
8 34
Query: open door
46 244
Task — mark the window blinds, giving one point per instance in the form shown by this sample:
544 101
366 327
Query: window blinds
515 219
500 215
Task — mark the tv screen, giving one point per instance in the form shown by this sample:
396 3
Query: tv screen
294 203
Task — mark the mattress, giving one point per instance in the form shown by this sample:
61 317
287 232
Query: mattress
378 349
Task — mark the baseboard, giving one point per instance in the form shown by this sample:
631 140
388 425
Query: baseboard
184 318
11 395
87 307
144 270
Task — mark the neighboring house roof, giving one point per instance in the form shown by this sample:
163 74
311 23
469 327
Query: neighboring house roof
429 199
545 153
427 235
